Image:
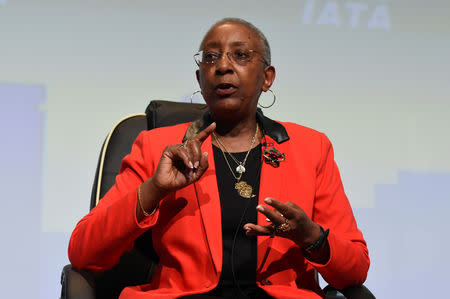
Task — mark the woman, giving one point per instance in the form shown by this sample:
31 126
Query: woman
239 205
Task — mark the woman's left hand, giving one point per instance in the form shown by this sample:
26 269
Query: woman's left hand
286 220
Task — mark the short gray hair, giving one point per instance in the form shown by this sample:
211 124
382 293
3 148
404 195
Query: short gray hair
262 37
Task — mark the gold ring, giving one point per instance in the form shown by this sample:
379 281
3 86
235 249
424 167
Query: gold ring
183 144
283 227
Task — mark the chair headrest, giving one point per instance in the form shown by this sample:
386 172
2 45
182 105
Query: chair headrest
166 113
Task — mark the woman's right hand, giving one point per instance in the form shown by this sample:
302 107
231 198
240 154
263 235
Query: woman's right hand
182 164
179 166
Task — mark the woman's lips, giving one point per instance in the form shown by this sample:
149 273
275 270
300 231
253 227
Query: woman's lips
225 89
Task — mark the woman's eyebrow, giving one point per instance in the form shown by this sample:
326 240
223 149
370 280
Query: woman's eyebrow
239 43
212 45
218 45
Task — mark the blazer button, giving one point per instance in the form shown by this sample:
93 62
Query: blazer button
266 282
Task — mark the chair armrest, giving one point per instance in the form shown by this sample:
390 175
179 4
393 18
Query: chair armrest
354 292
77 284
357 292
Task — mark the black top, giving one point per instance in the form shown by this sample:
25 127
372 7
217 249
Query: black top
239 251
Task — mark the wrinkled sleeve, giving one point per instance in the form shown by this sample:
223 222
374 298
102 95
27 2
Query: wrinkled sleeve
349 259
110 229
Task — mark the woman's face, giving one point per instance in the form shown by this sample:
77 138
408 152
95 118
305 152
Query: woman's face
231 89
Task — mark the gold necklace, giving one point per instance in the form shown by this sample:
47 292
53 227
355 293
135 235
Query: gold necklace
240 168
241 165
244 189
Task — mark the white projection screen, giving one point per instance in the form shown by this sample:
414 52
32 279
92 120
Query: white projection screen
371 74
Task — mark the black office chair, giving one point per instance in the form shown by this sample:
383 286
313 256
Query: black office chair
136 266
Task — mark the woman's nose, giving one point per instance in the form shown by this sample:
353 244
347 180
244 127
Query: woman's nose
224 64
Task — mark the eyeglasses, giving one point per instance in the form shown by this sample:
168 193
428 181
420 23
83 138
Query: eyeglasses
238 56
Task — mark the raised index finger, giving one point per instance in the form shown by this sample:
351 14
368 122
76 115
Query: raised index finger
205 133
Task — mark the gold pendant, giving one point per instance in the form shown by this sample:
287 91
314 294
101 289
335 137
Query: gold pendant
244 189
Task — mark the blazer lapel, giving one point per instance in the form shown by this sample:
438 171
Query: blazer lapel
209 203
272 184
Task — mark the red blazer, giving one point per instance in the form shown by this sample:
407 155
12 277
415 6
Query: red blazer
186 228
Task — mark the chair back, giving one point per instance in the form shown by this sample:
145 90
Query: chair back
135 267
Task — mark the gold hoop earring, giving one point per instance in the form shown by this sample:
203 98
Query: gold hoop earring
273 102
194 93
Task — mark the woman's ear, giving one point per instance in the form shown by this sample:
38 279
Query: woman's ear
269 77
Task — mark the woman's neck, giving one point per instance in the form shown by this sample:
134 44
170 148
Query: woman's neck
237 136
